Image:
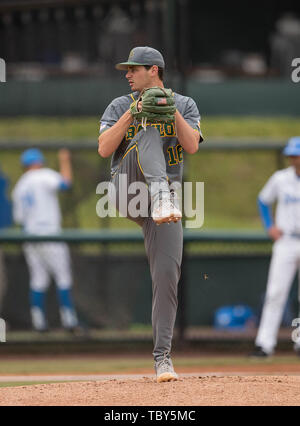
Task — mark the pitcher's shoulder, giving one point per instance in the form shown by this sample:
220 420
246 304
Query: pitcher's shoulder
183 101
125 99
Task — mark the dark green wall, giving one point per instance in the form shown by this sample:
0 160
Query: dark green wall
247 97
91 96
107 294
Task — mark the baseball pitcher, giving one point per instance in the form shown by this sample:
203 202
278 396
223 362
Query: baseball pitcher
147 133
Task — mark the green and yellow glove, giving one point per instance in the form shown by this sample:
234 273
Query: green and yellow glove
157 106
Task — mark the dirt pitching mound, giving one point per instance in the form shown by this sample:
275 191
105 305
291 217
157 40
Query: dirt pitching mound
196 390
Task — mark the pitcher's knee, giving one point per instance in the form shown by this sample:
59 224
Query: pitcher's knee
168 274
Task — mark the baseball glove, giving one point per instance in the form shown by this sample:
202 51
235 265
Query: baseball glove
157 106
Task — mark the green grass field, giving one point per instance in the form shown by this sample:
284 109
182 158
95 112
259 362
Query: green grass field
118 364
83 128
14 384
232 179
81 365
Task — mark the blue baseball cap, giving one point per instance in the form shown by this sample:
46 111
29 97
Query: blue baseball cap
32 156
293 146
143 55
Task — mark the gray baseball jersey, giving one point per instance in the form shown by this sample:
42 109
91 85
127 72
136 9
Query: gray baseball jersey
173 151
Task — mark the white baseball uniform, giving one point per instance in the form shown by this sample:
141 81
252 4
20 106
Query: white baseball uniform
283 187
36 207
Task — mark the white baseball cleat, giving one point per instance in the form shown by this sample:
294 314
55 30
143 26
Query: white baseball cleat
166 211
165 371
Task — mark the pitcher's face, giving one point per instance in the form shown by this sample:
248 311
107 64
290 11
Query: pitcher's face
139 77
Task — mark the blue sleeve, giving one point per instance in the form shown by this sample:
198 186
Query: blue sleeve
5 204
64 185
265 213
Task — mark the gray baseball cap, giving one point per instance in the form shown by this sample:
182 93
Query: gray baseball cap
143 56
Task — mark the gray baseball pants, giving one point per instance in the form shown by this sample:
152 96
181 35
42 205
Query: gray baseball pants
144 161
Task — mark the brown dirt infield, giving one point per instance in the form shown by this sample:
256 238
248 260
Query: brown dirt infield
262 383
196 390
248 385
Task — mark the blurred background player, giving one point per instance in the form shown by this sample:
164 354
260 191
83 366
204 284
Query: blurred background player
5 221
283 187
36 208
